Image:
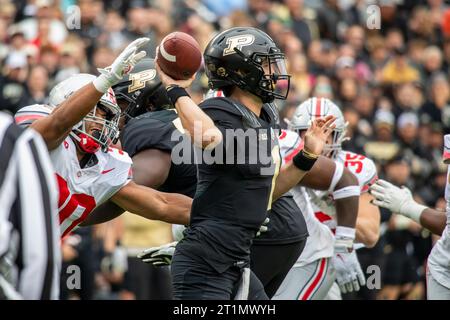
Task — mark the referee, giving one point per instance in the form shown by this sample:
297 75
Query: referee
29 237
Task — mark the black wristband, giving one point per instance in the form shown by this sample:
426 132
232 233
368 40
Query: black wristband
304 160
174 92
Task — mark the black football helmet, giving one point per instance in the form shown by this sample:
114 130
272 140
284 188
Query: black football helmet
142 89
249 59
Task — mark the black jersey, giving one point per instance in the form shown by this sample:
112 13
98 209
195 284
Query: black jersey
160 130
155 130
234 192
287 223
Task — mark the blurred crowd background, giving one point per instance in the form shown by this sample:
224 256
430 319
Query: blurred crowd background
391 82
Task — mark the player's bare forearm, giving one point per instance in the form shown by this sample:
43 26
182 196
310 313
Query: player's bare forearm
320 178
288 177
154 205
103 213
197 123
320 175
59 123
433 220
368 221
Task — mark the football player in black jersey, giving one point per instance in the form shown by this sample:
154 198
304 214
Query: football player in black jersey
148 139
149 135
232 198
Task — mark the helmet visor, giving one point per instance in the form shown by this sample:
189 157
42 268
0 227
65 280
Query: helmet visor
276 80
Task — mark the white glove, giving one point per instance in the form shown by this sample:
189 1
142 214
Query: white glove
123 64
349 274
397 200
178 232
159 256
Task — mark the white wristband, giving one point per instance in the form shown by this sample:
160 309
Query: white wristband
345 232
413 210
101 83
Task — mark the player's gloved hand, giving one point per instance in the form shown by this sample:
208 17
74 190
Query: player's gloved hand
123 64
349 274
398 200
263 227
159 256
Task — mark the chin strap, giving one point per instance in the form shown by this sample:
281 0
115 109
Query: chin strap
86 143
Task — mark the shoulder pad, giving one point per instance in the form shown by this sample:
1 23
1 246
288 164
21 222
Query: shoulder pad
290 144
26 115
220 103
273 113
362 167
250 120
152 130
119 155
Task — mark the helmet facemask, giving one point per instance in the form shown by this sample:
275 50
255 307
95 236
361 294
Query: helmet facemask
266 76
130 109
108 129
332 149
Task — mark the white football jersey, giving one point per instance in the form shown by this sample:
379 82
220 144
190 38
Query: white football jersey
365 171
318 206
320 243
439 258
81 190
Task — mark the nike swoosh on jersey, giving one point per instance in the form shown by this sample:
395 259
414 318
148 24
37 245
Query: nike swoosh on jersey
106 171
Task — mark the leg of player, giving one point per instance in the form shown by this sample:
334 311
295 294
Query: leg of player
368 221
309 282
272 271
189 278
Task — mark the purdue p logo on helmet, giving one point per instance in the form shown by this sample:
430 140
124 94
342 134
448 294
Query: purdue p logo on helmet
247 58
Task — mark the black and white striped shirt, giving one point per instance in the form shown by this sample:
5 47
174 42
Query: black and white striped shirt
29 236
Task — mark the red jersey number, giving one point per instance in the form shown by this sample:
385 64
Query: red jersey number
354 160
75 200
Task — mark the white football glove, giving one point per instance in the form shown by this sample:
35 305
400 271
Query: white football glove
349 274
397 200
159 256
123 64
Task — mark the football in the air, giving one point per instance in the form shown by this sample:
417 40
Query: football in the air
179 55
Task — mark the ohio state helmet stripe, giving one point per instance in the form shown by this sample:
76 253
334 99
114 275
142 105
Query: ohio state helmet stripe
318 107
